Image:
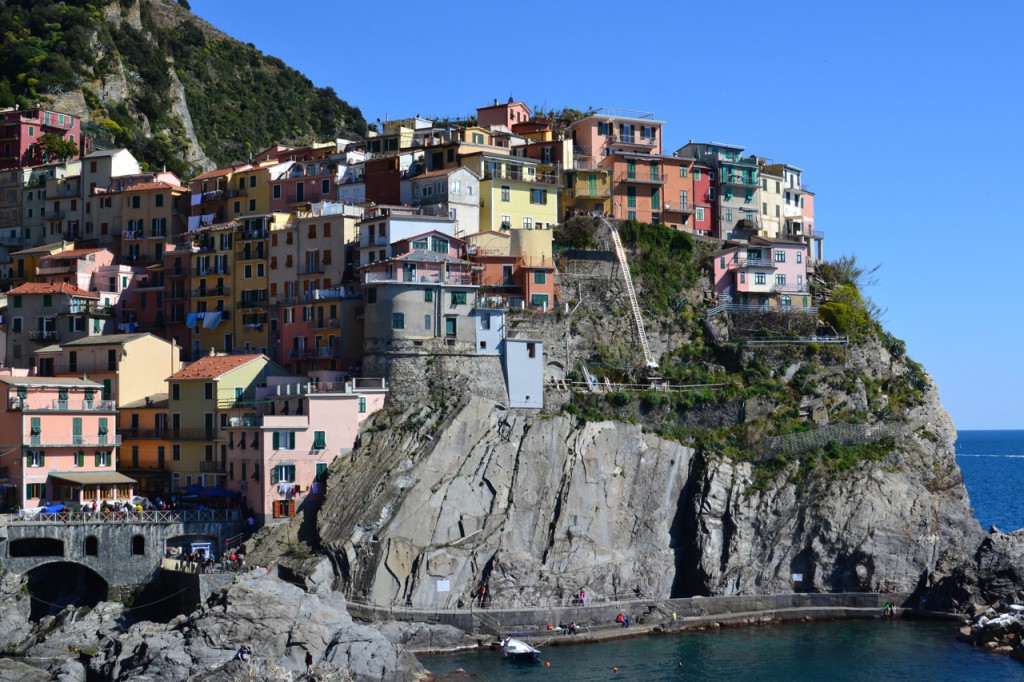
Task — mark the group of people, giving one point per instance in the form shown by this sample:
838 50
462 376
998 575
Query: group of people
199 562
623 620
571 628
244 654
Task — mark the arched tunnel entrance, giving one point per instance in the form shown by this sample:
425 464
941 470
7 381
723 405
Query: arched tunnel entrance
57 585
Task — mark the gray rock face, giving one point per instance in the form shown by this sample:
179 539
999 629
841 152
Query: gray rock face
540 507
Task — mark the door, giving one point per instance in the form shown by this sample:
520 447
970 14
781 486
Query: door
409 272
449 326
76 431
592 185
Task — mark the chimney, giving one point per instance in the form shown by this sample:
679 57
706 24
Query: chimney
495 101
213 352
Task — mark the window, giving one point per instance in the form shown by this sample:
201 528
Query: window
47 300
252 204
321 471
506 193
787 302
371 295
35 490
711 193
208 391
728 215
655 198
531 350
252 180
799 257
136 201
277 191
696 174
17 301
176 453
159 198
175 391
630 215
449 326
438 245
325 186
420 244
362 405
631 197
458 298
319 440
426 322
764 207
527 223
16 326
538 196
743 278
138 545
428 295
247 272
284 440
780 280
539 300
539 277
456 186
35 458
103 458
759 278
284 473
780 256
398 320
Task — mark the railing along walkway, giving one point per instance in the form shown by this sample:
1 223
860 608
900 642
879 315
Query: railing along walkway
122 517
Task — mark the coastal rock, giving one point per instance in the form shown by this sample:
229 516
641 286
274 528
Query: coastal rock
425 637
15 611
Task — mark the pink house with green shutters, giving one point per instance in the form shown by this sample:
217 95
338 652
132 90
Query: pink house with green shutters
59 444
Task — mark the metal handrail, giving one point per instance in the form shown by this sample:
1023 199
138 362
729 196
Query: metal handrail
28 517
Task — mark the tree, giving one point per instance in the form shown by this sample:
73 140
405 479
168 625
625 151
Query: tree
57 148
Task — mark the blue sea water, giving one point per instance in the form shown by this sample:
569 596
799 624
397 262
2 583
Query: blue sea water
992 463
993 468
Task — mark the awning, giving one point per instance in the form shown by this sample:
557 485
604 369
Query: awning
92 477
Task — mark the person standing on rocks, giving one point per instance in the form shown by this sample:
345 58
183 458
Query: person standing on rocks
309 663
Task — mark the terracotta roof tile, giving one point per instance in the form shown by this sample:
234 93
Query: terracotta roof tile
212 367
220 172
147 186
46 288
73 253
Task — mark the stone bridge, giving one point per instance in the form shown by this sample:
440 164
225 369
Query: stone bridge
125 549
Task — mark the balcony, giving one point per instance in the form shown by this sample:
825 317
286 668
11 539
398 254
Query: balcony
44 336
686 208
191 434
205 292
520 175
253 302
632 141
212 271
312 269
211 467
175 273
55 270
47 440
321 323
633 178
592 193
252 421
215 195
75 406
791 289
252 235
252 254
322 352
454 278
738 180
89 308
133 235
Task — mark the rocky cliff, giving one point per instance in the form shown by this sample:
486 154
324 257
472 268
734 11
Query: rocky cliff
672 492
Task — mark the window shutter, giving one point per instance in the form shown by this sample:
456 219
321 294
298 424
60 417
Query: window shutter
277 440
103 427
291 472
42 458
291 440
97 459
273 476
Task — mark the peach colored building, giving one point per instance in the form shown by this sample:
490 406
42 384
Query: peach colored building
59 443
507 114
762 272
607 131
278 454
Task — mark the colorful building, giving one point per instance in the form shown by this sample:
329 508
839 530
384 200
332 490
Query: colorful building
447 192
43 314
60 443
204 397
278 452
154 213
763 272
514 194
21 130
734 184
506 115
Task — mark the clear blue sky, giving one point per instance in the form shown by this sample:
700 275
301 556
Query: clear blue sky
904 115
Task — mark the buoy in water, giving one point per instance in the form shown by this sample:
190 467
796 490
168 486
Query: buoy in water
547 664
615 670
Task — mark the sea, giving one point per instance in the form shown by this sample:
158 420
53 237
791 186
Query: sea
992 463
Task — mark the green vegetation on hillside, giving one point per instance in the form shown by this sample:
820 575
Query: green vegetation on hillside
240 100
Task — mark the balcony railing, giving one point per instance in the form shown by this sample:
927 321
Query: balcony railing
739 180
322 352
252 254
321 323
48 335
211 291
251 302
635 140
650 179
211 467
86 308
791 289
246 422
191 434
588 193
78 406
521 176
215 270
452 278
146 434
47 440
678 208
133 235
311 269
250 235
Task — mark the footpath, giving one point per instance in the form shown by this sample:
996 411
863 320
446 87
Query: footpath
649 616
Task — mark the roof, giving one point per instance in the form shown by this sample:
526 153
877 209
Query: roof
105 340
47 288
220 172
45 248
213 367
74 253
48 381
92 477
436 173
147 186
422 256
104 152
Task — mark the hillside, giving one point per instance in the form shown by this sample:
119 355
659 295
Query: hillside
156 79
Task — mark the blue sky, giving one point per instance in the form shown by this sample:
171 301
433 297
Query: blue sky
904 115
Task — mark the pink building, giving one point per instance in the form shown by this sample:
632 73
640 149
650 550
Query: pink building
277 457
608 131
762 272
507 114
77 267
59 443
20 132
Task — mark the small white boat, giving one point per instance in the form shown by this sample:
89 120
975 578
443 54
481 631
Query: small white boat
518 650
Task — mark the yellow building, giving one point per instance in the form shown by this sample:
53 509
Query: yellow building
152 214
587 191
249 191
204 399
25 262
513 193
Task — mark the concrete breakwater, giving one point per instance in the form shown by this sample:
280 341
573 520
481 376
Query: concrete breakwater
598 619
